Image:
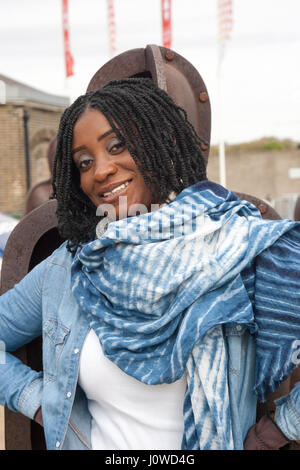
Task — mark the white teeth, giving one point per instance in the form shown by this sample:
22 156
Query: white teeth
118 188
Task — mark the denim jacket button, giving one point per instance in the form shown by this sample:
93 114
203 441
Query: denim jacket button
76 351
69 394
239 327
57 444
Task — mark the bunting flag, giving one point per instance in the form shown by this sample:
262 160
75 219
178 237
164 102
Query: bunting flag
225 22
111 26
166 23
69 62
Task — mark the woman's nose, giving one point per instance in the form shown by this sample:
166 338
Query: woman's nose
104 167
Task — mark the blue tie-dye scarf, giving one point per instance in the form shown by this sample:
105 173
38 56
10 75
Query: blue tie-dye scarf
158 287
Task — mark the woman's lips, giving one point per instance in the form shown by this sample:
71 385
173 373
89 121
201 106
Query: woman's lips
115 196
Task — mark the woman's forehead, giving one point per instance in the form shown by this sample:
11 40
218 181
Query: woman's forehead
91 119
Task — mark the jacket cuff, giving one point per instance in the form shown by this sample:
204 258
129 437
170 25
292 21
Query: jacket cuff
287 417
31 398
265 435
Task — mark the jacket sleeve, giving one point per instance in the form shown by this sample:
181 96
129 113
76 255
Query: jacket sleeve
20 323
287 416
272 434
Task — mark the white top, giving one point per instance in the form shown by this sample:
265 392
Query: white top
126 413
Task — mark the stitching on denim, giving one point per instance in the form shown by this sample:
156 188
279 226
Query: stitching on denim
49 378
43 278
75 382
59 324
293 410
53 261
79 434
26 392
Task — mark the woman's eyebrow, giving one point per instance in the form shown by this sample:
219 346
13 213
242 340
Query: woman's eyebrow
105 134
83 147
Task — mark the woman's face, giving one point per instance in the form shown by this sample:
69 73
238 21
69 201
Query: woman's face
107 170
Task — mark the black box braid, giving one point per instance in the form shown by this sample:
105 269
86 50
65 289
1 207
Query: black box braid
156 132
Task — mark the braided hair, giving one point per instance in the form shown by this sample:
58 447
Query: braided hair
157 134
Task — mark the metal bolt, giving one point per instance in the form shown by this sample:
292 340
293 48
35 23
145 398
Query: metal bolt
203 96
169 55
262 208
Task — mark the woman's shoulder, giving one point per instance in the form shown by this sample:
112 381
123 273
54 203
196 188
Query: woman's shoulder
61 256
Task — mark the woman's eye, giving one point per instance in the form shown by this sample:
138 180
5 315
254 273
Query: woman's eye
116 146
84 163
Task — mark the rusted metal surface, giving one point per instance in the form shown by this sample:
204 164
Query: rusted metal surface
183 82
262 208
155 65
203 96
169 55
204 147
22 242
32 240
39 194
267 212
297 210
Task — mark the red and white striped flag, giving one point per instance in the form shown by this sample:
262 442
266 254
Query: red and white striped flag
225 23
166 23
111 26
69 62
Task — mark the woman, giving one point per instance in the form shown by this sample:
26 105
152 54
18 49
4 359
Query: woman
153 320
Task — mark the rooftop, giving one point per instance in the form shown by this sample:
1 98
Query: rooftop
12 91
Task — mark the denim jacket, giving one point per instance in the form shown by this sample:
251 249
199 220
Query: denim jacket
43 304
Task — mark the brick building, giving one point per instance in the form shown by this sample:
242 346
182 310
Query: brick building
29 118
272 175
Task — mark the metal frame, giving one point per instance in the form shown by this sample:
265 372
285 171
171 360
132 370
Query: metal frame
171 72
32 240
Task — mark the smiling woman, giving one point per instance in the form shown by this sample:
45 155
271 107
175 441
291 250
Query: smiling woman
107 170
162 331
129 132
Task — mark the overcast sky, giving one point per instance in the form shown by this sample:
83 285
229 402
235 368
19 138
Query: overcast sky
261 68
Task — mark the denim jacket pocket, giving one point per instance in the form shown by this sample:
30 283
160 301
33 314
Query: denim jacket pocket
55 336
